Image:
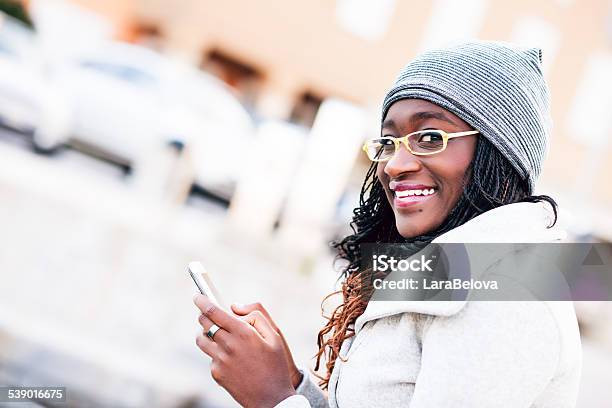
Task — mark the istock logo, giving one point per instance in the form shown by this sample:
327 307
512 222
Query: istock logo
384 263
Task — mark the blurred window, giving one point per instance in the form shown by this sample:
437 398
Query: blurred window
306 108
240 75
149 35
366 19
453 21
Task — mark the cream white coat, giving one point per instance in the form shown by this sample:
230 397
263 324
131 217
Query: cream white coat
478 354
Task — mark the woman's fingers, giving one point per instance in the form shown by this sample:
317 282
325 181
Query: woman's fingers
243 310
208 346
219 316
248 360
220 337
205 322
261 324
246 309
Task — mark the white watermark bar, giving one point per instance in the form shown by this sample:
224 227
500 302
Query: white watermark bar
496 271
28 394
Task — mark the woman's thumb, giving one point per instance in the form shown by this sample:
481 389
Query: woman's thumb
241 309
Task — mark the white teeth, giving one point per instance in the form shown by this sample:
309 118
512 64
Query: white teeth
427 192
407 193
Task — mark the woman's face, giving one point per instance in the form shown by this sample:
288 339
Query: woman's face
443 172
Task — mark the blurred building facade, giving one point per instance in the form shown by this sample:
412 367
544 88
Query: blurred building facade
285 58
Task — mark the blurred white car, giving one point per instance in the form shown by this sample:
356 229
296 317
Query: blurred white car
29 101
128 101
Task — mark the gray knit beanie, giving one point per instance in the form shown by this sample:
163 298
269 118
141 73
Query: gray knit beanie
497 88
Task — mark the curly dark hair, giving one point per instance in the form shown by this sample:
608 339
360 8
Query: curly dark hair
489 182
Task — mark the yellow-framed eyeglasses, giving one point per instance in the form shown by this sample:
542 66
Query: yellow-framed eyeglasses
421 143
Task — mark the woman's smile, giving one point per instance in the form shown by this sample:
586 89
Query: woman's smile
408 194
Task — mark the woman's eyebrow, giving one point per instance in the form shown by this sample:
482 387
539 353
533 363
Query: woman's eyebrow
420 116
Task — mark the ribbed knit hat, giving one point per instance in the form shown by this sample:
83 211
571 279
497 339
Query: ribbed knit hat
497 88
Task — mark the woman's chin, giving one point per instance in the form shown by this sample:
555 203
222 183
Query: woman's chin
411 229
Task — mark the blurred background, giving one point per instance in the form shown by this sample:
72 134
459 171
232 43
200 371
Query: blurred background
137 135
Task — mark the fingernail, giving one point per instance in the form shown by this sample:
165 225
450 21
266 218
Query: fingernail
238 305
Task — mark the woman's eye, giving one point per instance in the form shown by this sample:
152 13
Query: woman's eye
387 145
430 138
385 141
428 141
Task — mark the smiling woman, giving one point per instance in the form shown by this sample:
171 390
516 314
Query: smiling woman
443 172
463 138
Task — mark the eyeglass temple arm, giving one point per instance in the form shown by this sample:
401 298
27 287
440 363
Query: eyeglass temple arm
459 134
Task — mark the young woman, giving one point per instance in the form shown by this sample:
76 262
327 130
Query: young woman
464 135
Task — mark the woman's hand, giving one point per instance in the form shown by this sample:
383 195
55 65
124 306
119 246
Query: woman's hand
248 356
245 310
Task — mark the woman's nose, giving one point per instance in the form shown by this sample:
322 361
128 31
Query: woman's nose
402 161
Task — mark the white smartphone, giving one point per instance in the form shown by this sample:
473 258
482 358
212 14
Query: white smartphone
202 280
